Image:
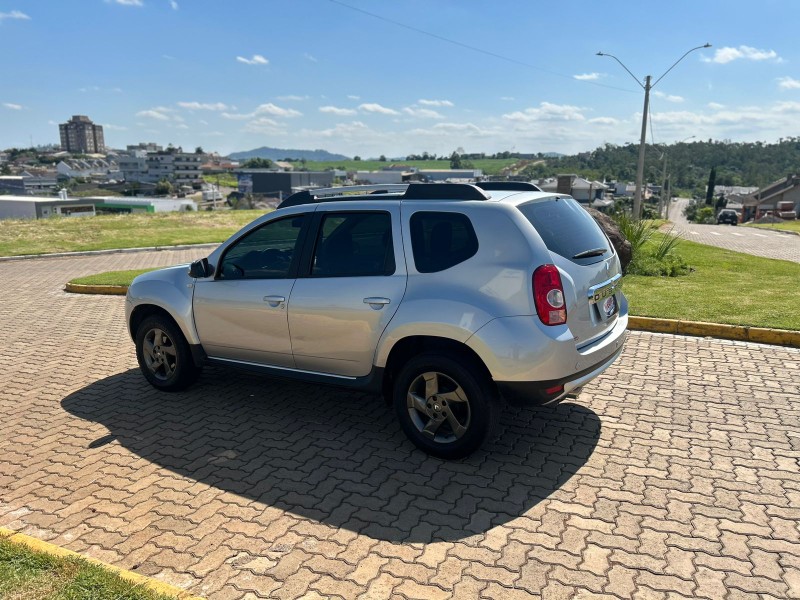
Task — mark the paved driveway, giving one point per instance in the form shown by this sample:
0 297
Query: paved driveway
750 240
674 475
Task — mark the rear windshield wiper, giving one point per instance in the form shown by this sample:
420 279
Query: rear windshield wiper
590 253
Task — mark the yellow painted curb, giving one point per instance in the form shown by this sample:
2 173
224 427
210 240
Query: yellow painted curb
155 585
111 290
761 335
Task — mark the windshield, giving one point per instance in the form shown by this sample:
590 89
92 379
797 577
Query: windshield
568 230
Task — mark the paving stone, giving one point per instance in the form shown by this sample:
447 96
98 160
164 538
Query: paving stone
674 474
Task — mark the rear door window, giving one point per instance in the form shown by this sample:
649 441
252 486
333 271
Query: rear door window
568 230
354 244
441 240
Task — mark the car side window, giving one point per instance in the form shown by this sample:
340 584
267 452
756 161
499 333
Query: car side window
441 240
265 253
354 244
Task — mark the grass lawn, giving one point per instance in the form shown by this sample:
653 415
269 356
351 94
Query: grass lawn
39 236
26 574
726 287
785 226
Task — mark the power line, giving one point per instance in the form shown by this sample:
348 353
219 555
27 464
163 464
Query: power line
442 38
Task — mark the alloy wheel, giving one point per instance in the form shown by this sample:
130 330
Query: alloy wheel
438 406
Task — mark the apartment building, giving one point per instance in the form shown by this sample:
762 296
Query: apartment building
80 135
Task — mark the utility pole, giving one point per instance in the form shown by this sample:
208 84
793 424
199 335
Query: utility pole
637 198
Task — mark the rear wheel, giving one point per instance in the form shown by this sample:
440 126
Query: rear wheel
164 355
446 408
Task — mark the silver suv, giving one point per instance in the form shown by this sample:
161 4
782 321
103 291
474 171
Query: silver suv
442 297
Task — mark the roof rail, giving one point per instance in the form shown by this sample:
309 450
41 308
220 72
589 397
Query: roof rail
400 191
510 186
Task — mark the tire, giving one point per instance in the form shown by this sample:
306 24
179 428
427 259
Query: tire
164 355
424 391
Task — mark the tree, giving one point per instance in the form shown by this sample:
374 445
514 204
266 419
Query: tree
199 150
257 163
357 158
382 158
455 161
712 181
163 188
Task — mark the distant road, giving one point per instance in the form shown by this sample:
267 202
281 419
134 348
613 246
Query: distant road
750 240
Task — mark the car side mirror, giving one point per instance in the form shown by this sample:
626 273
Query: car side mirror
201 269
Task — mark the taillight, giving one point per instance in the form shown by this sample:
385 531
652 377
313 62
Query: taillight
548 295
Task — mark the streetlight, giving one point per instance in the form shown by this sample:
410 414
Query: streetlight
637 198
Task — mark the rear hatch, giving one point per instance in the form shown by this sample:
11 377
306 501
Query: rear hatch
587 262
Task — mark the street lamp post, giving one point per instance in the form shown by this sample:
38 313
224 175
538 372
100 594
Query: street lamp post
637 198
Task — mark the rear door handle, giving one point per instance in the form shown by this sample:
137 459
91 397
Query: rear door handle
377 303
274 300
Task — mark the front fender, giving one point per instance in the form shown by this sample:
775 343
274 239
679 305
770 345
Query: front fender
170 289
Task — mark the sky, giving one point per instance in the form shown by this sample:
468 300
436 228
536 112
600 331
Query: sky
369 77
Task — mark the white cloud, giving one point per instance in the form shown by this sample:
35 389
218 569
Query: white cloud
422 113
334 110
292 98
264 109
173 4
715 106
373 107
307 56
277 111
203 105
351 97
263 125
588 76
787 83
604 121
153 114
436 103
729 54
12 106
507 98
15 15
668 97
111 127
257 59
546 111
126 2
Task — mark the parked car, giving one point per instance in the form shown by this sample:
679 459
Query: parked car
444 298
729 216
786 211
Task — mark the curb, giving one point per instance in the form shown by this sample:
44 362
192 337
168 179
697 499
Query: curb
108 290
760 335
110 251
160 587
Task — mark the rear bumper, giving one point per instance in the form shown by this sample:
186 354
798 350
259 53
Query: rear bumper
550 392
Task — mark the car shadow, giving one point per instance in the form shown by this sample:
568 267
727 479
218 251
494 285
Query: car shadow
337 456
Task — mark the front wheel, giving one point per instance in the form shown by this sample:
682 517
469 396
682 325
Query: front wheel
446 408
164 355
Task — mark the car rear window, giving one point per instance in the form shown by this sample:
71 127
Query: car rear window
567 229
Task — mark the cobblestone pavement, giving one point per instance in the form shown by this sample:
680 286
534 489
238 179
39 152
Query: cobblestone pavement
750 240
674 475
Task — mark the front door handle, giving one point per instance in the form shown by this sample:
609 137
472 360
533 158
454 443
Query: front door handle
274 300
377 303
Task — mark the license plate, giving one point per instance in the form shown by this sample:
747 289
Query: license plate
609 307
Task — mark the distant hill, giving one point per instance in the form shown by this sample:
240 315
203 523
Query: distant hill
280 154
